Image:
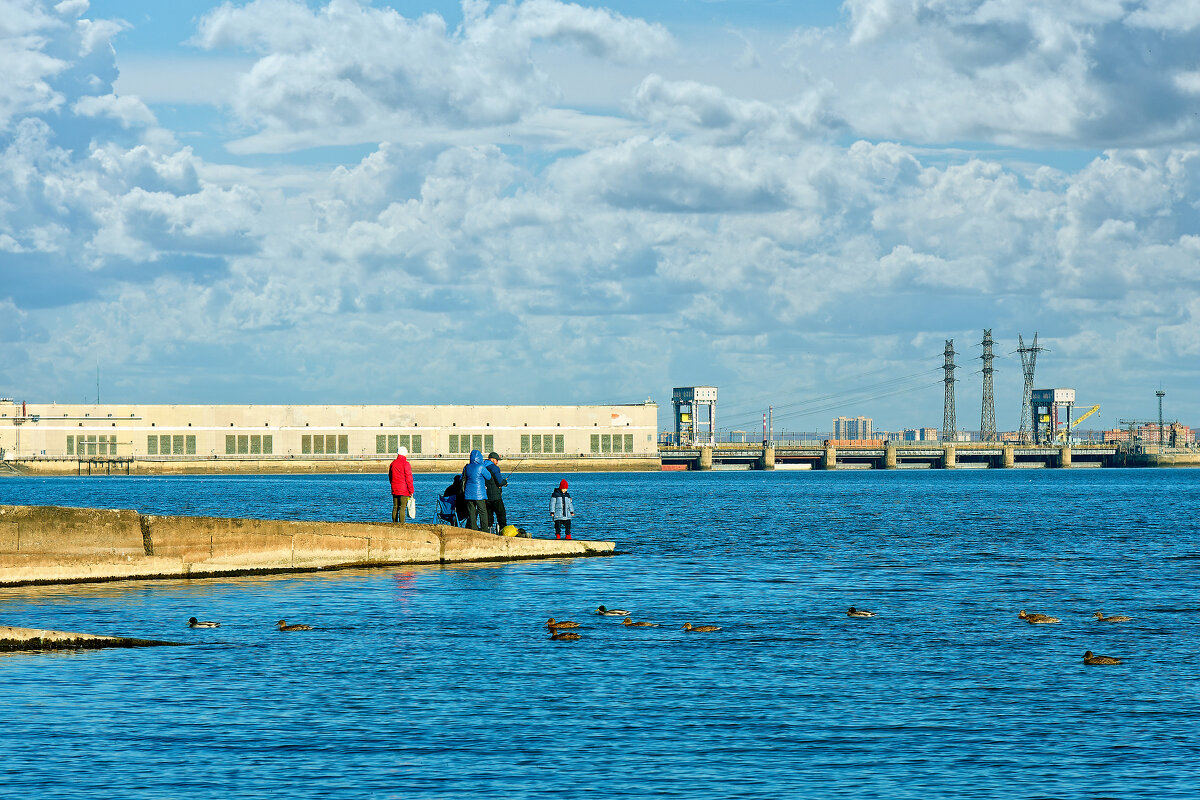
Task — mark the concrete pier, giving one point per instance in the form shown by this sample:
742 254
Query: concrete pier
949 457
829 458
768 458
1008 458
48 544
40 639
889 456
706 458
1064 457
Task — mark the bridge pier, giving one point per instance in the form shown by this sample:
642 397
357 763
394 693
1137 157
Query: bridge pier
767 462
1009 458
889 456
1064 456
829 458
705 462
949 457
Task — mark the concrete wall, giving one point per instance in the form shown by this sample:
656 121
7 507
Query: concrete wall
217 465
46 544
29 429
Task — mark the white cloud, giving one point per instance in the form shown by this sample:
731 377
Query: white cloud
349 68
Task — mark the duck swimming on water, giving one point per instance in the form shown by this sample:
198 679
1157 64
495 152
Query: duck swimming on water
611 612
566 623
1089 658
859 612
1112 618
195 623
1038 619
687 626
631 623
283 626
563 636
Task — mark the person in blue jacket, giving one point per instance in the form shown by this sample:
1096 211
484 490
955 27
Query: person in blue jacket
475 477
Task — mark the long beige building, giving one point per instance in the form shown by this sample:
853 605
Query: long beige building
276 435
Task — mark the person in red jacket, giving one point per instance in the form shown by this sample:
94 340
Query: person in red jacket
400 475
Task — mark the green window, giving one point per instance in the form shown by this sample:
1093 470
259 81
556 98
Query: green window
103 445
318 444
177 445
380 443
605 443
267 444
344 443
535 443
70 445
489 443
524 442
306 444
477 441
189 445
164 445
559 443
629 443
230 445
453 443
91 445
416 448
393 443
255 445
403 440
243 444
151 445
595 443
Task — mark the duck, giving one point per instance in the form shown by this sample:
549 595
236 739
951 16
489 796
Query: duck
611 612
563 636
283 626
566 623
1089 658
631 623
687 626
195 623
859 612
1112 617
1038 619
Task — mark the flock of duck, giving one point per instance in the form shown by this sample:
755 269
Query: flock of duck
283 626
560 629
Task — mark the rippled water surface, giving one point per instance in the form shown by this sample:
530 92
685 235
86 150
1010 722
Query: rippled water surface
441 682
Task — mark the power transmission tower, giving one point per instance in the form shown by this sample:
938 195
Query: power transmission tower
1162 441
987 420
949 425
1028 360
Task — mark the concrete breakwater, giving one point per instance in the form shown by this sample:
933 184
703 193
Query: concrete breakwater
40 639
50 544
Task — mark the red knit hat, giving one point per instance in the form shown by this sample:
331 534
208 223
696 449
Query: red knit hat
563 484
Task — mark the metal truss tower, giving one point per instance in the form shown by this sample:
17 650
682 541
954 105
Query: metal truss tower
1028 360
987 419
949 425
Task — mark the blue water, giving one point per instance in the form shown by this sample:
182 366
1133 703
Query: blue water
441 683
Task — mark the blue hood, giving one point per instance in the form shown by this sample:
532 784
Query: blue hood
476 457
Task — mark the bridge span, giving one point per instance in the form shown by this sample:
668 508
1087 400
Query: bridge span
904 455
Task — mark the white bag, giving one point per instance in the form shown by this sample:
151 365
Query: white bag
412 508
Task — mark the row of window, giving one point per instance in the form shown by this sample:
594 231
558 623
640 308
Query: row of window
339 444
391 443
170 445
612 443
92 445
249 445
542 443
466 442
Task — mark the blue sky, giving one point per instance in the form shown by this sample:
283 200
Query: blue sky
545 202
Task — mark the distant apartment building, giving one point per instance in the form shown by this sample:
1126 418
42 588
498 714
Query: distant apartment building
852 428
920 435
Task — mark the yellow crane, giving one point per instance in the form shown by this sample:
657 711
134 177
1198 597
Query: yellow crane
1065 433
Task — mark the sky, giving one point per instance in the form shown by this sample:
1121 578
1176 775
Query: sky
543 202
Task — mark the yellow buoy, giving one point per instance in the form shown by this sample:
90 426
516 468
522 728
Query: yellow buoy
508 530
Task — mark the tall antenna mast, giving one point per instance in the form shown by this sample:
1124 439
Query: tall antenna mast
1162 441
949 425
987 419
1028 360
